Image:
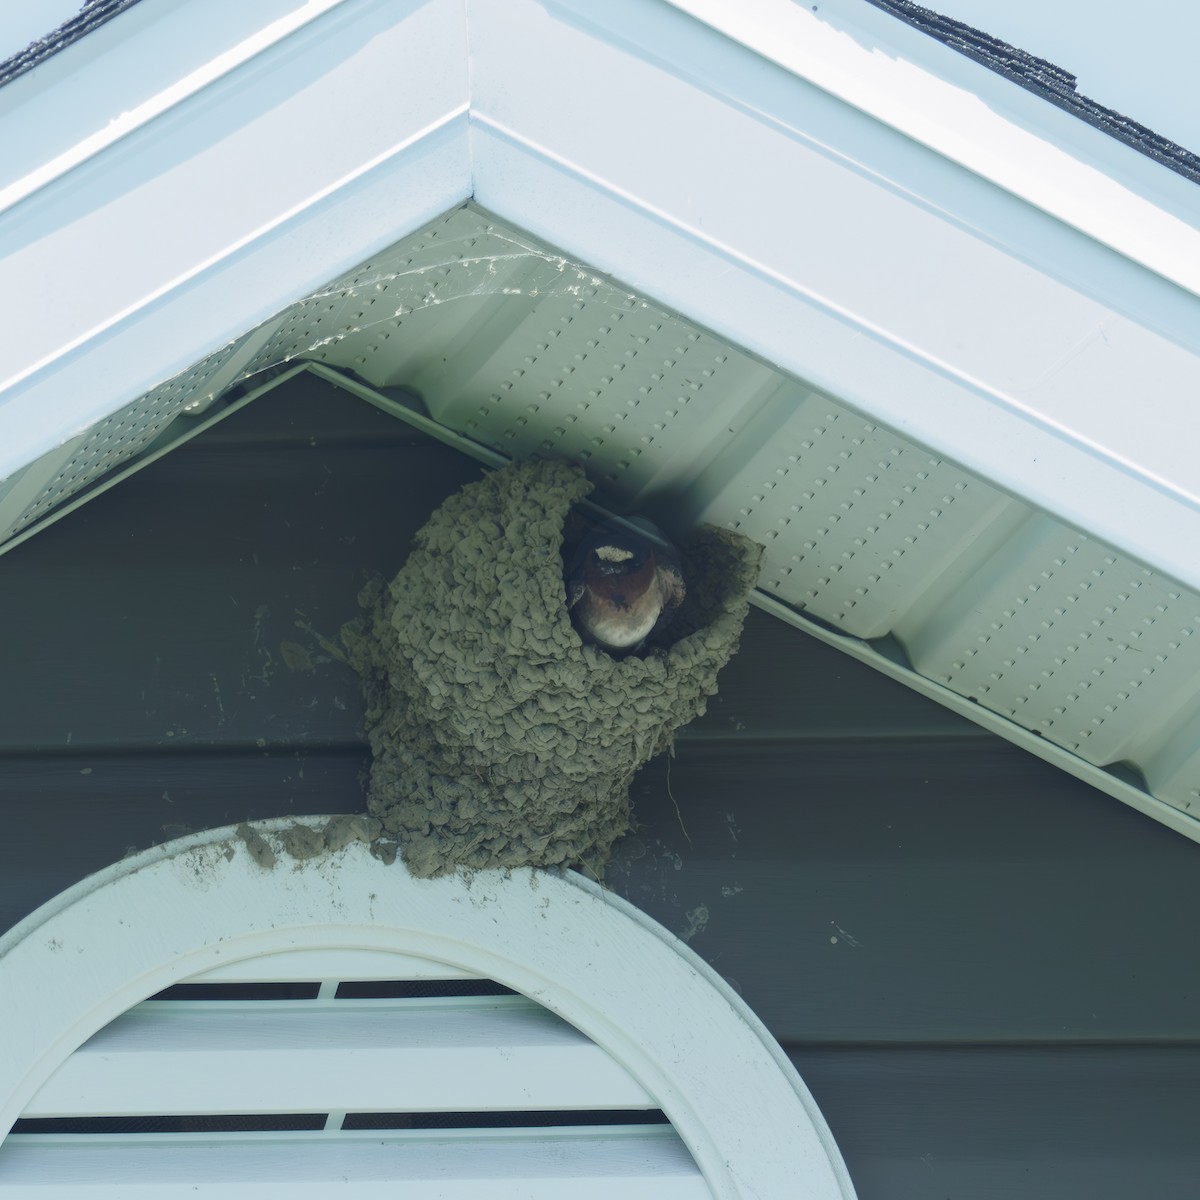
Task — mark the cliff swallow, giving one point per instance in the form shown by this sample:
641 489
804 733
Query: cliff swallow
622 587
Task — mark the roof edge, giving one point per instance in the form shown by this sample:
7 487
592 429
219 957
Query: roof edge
1045 79
94 14
869 58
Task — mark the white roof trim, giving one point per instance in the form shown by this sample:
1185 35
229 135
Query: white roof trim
202 901
970 115
126 66
1052 355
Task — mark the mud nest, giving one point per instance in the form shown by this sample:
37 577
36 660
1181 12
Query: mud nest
499 738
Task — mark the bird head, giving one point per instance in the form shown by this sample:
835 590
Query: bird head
617 555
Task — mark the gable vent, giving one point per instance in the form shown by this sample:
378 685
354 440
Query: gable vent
314 1071
188 1022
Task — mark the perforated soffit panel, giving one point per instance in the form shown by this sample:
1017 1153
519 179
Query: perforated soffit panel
1000 611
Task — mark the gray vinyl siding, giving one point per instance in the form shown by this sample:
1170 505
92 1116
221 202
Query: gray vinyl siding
984 969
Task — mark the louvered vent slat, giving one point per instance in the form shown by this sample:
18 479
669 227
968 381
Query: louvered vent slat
464 1053
297 966
495 1087
585 1165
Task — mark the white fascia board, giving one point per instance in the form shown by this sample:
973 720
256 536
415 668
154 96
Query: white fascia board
974 116
817 236
160 225
125 87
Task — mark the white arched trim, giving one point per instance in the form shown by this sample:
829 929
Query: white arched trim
201 902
